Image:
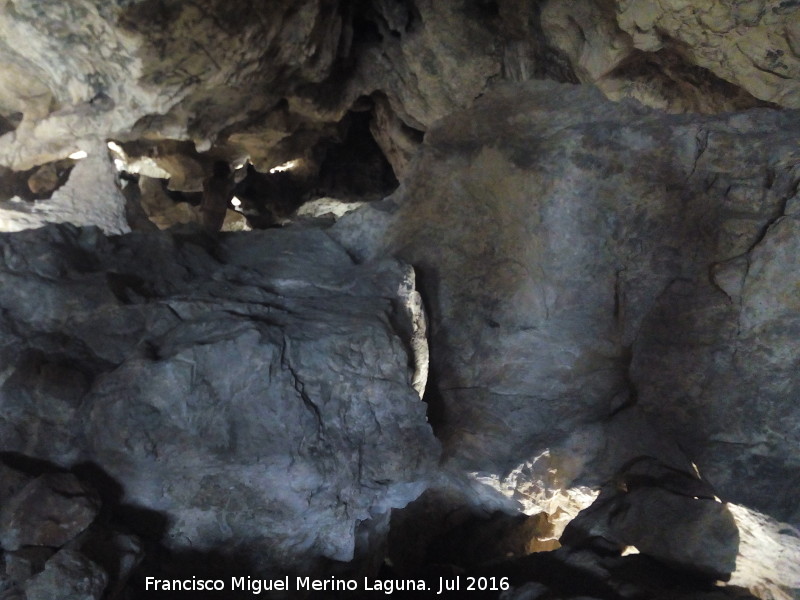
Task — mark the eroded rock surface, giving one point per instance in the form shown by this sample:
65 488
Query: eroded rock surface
256 389
68 574
755 45
49 511
592 269
589 227
665 513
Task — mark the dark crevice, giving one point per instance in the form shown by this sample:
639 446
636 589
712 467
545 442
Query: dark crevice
542 59
10 122
674 75
349 166
37 183
366 30
356 167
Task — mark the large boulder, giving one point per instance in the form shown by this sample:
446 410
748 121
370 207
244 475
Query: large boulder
564 243
665 513
256 390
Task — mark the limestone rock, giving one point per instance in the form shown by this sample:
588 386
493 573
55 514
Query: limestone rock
397 140
115 552
769 552
90 69
160 208
668 78
587 32
664 513
553 305
68 575
434 60
89 197
737 347
753 45
255 389
49 511
696 534
10 591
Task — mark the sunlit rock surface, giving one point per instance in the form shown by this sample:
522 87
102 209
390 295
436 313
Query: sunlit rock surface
671 515
755 45
255 391
679 57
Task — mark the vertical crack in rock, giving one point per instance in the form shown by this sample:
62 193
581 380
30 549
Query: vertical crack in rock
299 386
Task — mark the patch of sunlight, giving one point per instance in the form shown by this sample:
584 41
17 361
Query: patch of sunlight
287 166
769 555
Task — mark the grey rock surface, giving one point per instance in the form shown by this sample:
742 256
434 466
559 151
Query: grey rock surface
89 197
754 44
49 511
255 389
574 295
21 565
670 515
231 82
68 575
11 481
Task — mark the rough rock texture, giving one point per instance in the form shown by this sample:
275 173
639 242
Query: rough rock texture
11 481
670 515
68 575
255 390
674 56
54 540
89 197
581 575
755 45
737 353
585 221
159 66
189 86
445 46
267 83
49 511
117 553
23 564
591 269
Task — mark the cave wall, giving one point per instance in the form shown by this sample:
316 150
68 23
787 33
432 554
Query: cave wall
599 200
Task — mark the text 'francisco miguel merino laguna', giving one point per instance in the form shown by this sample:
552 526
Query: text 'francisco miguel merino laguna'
331 584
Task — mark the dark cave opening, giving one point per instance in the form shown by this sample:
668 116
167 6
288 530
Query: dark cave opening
350 167
355 167
36 183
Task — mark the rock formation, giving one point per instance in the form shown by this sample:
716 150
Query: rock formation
225 383
571 227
